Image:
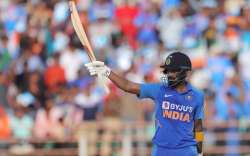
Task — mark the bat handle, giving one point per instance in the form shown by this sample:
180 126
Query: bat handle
103 83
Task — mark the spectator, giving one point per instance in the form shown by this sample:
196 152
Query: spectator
146 21
210 114
230 102
5 130
36 87
209 34
90 100
247 101
21 79
15 17
54 76
21 123
101 38
72 113
171 25
220 67
103 8
49 122
125 15
122 54
71 60
3 90
4 54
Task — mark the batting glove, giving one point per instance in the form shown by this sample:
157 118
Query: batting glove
102 72
98 68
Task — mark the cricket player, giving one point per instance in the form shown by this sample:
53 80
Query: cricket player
178 105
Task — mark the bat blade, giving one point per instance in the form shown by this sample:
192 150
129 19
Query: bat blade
77 25
76 22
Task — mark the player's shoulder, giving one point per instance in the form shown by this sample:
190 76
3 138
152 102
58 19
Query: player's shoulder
197 92
149 90
153 84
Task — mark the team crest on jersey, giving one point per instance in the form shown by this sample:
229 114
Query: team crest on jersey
189 97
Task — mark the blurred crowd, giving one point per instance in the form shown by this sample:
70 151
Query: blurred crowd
45 90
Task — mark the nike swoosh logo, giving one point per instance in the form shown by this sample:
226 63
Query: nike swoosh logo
167 95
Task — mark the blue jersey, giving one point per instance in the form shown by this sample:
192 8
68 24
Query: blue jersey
175 114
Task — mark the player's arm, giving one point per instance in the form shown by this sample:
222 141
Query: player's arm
199 136
99 68
124 84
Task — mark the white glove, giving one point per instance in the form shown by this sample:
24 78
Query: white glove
98 68
101 70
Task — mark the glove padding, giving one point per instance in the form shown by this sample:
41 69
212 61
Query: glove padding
102 72
98 68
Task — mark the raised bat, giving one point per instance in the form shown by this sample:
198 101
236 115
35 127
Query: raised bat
76 22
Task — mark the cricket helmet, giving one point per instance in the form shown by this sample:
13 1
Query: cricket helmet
176 62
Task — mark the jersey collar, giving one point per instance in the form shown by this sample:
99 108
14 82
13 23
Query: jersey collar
189 88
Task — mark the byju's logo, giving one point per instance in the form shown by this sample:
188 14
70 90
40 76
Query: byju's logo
176 112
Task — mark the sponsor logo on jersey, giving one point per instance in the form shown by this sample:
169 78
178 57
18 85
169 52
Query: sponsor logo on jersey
176 111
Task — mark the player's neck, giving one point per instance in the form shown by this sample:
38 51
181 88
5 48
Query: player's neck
181 87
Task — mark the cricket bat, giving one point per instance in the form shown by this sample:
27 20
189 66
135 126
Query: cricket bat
77 25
